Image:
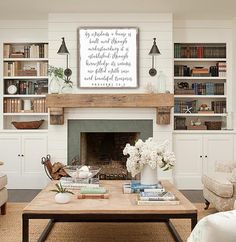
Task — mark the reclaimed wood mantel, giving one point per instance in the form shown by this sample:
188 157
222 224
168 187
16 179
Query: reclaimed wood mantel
163 102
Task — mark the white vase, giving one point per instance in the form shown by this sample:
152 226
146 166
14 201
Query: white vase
62 197
149 176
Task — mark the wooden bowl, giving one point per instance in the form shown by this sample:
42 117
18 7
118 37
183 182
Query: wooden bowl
28 125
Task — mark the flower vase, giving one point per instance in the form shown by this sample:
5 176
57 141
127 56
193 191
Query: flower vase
149 176
54 86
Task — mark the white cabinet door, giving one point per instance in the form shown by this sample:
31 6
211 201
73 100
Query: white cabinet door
10 154
33 149
217 148
188 167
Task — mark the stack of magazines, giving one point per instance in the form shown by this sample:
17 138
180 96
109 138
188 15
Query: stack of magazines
157 198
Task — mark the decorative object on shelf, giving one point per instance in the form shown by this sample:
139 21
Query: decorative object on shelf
153 52
161 82
213 125
108 57
57 75
196 123
183 85
27 105
150 88
146 157
28 124
180 123
63 195
188 109
12 89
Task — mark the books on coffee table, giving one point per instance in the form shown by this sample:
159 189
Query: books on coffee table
93 193
157 198
67 182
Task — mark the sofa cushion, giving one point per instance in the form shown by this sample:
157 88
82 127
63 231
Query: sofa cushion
3 180
219 183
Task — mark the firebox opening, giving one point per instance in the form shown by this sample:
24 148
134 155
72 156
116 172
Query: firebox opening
105 149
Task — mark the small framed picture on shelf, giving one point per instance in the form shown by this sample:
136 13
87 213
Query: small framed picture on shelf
108 57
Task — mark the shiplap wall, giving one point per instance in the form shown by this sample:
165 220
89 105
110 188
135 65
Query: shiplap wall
150 26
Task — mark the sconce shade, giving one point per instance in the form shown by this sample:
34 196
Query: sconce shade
154 50
63 49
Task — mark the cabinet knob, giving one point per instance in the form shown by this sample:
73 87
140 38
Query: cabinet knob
22 155
205 156
200 156
18 155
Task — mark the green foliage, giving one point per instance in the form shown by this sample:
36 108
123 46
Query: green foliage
60 189
58 72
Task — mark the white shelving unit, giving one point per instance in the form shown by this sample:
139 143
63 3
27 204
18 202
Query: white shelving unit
25 66
191 59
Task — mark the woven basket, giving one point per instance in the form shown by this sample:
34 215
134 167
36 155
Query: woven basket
213 125
28 125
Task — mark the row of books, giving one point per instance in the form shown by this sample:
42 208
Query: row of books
15 68
218 70
16 105
157 198
208 88
181 106
28 87
134 186
218 106
27 51
198 51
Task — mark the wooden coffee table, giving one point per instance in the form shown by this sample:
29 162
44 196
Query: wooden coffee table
118 208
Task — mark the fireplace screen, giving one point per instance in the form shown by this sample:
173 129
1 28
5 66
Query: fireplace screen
106 151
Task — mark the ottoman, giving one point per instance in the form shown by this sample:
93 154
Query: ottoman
3 193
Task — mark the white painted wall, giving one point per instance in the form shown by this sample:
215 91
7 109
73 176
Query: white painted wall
150 26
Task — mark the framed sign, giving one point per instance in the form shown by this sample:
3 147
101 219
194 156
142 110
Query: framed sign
108 57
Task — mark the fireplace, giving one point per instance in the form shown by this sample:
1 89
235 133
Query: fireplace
101 143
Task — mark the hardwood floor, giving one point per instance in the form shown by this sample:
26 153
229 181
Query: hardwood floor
23 195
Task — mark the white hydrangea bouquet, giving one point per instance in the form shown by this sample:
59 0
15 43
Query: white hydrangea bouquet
148 153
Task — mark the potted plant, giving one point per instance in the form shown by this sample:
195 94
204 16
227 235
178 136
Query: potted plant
63 195
59 81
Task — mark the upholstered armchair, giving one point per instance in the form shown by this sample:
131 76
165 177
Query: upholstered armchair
219 187
3 192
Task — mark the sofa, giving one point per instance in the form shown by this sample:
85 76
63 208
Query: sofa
219 187
3 192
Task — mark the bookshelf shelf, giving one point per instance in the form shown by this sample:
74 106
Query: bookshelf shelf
25 114
200 114
25 59
200 83
199 59
200 96
25 67
25 96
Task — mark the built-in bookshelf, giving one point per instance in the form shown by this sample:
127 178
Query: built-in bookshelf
200 86
25 83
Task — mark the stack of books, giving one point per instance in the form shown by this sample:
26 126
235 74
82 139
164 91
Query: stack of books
136 187
157 198
93 193
67 182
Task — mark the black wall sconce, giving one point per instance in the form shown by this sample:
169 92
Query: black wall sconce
153 52
64 51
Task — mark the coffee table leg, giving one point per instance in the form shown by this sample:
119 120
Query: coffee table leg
25 228
46 231
193 221
173 231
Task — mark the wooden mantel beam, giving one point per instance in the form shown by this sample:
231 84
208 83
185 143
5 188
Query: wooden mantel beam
57 102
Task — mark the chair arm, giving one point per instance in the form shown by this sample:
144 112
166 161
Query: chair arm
1 162
233 176
225 166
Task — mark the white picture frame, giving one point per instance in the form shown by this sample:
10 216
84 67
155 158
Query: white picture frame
108 57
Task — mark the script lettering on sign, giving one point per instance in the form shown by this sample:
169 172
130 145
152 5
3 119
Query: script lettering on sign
108 57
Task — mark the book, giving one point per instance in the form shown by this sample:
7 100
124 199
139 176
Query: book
135 187
93 190
93 196
156 196
67 182
163 203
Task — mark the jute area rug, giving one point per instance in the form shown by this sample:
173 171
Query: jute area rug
10 229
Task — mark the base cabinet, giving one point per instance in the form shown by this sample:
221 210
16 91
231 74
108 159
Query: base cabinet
22 160
197 154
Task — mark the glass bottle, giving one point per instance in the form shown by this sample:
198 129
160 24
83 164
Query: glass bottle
161 82
54 85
